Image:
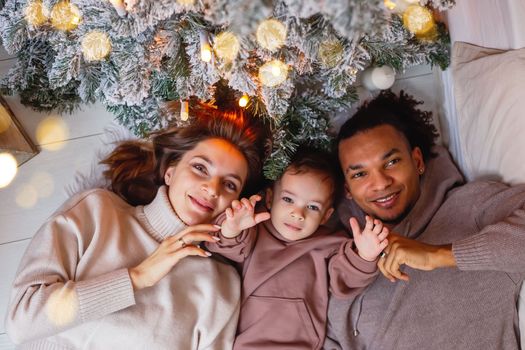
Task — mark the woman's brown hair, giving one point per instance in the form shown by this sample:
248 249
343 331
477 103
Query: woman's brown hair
136 168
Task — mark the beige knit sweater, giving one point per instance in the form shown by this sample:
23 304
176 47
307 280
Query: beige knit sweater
73 289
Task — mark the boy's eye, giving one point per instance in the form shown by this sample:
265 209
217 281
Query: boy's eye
314 207
287 199
231 186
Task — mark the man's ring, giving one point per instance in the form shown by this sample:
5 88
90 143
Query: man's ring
183 244
383 254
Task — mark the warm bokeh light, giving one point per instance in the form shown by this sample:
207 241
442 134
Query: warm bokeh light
186 2
50 132
26 196
389 4
44 184
243 101
62 306
8 168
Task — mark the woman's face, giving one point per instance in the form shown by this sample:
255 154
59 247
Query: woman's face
206 180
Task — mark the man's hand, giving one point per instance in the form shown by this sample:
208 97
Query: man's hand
417 255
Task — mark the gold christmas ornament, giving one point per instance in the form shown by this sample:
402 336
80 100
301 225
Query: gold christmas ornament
95 46
226 46
330 53
271 34
273 73
419 21
65 16
36 13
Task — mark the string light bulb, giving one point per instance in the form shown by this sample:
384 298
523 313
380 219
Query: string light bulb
95 46
243 101
205 47
271 34
273 73
184 110
36 13
330 53
65 16
226 46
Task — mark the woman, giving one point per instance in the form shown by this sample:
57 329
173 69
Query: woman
103 273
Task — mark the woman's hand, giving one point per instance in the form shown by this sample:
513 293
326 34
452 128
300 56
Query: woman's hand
169 253
241 216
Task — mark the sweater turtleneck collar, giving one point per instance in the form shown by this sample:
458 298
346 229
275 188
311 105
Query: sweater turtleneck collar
162 217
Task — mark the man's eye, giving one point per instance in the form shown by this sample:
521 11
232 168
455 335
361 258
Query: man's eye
287 200
357 175
314 208
392 162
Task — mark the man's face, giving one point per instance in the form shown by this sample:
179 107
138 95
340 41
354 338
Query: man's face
381 172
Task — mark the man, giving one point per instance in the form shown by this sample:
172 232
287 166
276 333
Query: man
456 256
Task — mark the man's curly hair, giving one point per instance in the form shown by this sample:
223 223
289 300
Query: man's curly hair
401 113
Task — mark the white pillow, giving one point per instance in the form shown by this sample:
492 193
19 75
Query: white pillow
489 88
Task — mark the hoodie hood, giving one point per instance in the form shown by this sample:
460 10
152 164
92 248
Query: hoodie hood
440 177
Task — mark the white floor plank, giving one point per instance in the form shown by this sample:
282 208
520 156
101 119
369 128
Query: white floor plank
5 343
11 254
47 173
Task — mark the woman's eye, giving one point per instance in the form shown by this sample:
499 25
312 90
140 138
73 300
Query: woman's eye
200 168
314 208
287 200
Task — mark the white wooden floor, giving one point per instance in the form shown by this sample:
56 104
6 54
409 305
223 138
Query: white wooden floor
18 224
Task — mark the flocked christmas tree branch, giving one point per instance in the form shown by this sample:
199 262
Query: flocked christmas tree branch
293 62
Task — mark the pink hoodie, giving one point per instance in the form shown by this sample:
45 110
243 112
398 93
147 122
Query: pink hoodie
285 284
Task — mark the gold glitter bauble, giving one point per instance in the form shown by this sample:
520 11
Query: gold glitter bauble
273 73
419 21
35 13
65 16
330 53
271 34
226 46
95 46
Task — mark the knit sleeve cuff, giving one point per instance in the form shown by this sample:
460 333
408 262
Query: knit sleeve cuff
473 253
358 262
105 294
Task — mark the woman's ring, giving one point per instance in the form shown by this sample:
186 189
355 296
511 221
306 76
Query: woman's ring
383 254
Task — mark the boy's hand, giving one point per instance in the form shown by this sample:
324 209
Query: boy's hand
371 241
241 216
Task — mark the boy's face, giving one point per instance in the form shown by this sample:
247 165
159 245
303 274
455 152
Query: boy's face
299 203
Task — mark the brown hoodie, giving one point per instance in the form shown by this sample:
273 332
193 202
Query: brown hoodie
472 306
285 284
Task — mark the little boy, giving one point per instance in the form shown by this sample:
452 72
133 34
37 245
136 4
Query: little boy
289 262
